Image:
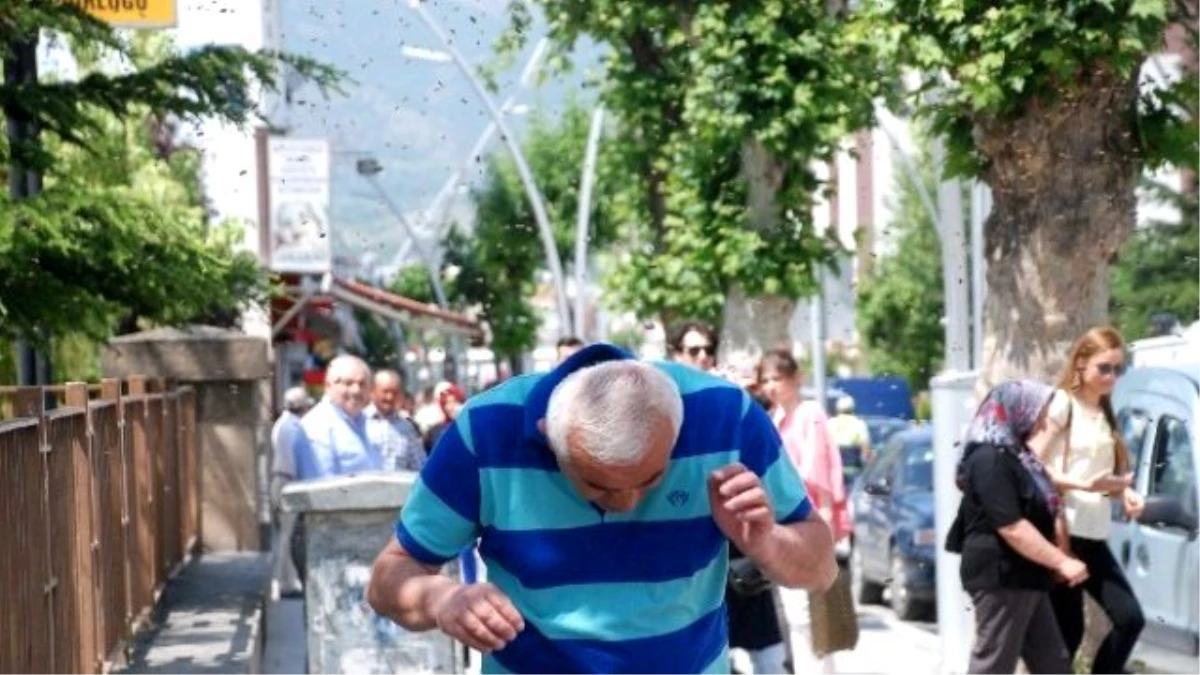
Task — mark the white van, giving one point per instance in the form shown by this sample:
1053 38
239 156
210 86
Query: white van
1157 410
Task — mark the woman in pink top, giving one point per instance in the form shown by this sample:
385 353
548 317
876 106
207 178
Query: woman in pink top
803 426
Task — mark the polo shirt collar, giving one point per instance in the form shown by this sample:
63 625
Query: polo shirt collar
539 397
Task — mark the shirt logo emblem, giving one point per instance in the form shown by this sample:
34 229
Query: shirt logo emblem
678 497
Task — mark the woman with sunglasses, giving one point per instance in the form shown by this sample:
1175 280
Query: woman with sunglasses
1082 449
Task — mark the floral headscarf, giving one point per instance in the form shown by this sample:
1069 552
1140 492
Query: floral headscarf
1005 419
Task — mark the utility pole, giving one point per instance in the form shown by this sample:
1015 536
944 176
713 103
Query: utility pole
20 68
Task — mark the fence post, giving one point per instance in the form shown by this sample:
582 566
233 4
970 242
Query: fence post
76 396
110 390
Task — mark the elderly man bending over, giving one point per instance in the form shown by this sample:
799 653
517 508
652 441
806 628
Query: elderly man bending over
603 494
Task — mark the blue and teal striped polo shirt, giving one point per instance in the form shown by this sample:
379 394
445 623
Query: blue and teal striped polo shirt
601 592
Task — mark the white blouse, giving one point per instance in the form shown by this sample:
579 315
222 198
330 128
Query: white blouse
1091 454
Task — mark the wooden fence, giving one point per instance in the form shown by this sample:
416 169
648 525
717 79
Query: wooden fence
99 506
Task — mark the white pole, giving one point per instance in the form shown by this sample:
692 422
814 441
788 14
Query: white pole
818 339
585 212
535 198
981 205
953 406
955 277
433 214
435 276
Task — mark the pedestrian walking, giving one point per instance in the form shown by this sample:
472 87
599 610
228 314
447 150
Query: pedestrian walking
1005 531
803 427
1083 450
603 493
284 436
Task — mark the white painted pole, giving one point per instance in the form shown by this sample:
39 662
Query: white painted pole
818 341
956 279
535 198
435 277
981 205
582 222
952 401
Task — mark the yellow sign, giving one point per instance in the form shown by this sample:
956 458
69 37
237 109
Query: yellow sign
132 13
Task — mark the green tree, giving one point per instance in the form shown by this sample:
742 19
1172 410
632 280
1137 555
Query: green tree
119 231
1156 270
723 110
1041 100
899 309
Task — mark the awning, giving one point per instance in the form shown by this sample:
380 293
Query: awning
407 311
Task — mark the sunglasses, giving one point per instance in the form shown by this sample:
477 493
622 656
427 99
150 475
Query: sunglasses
697 350
1106 369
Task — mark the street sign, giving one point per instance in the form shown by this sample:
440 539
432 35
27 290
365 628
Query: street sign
298 194
132 13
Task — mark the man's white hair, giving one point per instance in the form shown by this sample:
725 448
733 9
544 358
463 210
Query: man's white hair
345 365
612 409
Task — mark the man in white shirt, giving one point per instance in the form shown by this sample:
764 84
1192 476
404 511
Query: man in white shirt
284 434
388 429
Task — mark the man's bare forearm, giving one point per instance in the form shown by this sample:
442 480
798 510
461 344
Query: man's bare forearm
405 590
799 555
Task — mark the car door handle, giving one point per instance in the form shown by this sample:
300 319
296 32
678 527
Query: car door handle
1143 556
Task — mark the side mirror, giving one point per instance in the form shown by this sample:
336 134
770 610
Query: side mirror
1167 512
878 488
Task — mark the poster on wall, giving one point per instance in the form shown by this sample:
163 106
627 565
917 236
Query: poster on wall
299 199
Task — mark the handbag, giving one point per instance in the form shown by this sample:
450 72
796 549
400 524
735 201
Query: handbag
833 616
746 579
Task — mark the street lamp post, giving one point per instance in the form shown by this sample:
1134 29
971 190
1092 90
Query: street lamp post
539 208
433 215
369 168
585 212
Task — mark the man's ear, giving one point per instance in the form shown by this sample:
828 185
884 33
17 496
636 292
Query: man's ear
542 426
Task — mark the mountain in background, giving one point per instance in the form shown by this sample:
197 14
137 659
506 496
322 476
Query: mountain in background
418 118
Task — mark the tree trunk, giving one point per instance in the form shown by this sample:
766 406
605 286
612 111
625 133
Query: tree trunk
752 325
1063 179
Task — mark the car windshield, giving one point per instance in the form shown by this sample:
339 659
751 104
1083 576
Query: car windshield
917 469
881 428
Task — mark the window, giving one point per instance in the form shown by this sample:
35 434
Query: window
1173 473
1133 424
879 468
915 473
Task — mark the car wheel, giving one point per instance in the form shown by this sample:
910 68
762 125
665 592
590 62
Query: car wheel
903 604
865 592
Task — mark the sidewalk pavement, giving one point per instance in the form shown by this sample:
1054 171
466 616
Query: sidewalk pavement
208 620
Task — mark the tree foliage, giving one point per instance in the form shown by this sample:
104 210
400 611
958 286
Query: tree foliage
120 229
899 309
692 85
1156 271
989 62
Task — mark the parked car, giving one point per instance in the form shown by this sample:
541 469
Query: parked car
881 428
1156 409
894 535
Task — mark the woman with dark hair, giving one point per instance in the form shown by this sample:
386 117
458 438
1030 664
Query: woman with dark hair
694 343
1086 457
1005 531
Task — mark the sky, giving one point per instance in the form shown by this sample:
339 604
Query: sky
418 118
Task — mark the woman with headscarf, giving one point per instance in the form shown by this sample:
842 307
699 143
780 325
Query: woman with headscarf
1005 530
450 398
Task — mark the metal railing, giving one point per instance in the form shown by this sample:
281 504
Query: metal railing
99 505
